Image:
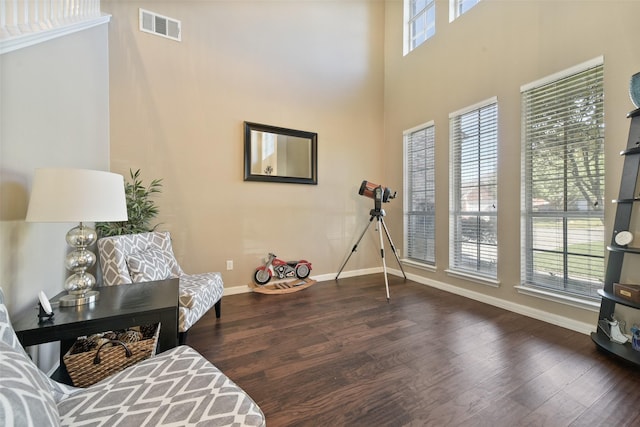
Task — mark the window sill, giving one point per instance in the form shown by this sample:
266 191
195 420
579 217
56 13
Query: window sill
416 264
562 299
474 278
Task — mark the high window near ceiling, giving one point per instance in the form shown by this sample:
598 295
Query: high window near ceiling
473 191
419 22
420 194
563 182
458 7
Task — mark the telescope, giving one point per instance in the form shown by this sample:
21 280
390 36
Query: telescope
380 195
376 192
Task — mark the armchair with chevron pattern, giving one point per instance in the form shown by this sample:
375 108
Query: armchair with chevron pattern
146 257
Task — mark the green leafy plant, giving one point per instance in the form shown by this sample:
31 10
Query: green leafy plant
141 209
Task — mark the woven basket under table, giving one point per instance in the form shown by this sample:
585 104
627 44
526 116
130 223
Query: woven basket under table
84 371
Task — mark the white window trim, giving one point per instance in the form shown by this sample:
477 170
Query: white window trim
406 34
422 266
475 277
418 127
453 12
406 44
405 202
572 301
564 73
477 106
524 287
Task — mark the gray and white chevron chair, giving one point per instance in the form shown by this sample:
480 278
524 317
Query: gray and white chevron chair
146 257
179 388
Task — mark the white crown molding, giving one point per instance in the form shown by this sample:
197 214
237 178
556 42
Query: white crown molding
21 41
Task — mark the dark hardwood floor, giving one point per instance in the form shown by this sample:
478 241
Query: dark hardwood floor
337 354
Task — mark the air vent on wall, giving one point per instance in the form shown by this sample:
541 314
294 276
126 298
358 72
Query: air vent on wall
151 22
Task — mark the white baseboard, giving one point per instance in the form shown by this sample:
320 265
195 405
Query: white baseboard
233 290
554 319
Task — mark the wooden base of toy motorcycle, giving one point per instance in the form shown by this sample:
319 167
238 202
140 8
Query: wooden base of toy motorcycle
293 276
282 287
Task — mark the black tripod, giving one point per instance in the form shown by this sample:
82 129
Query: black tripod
377 213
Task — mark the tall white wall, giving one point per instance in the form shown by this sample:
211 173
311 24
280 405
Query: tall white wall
54 112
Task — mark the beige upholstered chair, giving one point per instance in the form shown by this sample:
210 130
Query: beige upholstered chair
145 257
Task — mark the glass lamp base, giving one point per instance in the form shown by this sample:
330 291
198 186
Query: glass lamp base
73 300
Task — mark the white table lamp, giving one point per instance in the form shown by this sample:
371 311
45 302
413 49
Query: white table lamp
77 195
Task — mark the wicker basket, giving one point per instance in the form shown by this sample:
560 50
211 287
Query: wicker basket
111 356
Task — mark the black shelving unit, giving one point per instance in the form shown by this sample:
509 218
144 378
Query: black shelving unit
625 203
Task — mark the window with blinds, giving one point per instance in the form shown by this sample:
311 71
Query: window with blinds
420 22
563 182
420 194
473 185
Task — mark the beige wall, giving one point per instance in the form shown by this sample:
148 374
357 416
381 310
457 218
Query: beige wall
177 112
491 51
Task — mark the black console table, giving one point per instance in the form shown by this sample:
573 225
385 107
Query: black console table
118 307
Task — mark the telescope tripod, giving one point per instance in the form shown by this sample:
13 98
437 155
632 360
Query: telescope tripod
377 214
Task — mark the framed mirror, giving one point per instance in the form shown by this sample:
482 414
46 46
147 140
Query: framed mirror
276 154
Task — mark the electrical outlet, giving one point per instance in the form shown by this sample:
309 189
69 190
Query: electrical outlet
230 264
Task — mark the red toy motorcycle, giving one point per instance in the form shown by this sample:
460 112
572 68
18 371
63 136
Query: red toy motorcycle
282 269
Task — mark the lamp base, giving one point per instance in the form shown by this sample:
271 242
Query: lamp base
73 300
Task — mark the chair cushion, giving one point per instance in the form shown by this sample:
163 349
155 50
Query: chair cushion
149 265
25 396
201 289
8 337
178 387
114 251
197 294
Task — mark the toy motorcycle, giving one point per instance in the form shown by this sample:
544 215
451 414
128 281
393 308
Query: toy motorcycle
283 269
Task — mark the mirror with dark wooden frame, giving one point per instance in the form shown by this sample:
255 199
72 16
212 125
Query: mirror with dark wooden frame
275 154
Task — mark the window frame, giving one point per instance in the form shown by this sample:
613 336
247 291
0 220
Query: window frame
410 211
486 243
533 281
456 6
411 17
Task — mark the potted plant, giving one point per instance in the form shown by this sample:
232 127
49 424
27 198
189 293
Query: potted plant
141 209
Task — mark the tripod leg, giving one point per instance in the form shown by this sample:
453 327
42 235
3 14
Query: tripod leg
393 248
355 247
384 264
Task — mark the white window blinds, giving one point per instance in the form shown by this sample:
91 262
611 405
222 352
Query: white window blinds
563 182
473 186
419 209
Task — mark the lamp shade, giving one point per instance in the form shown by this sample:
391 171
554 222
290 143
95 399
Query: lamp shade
76 195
